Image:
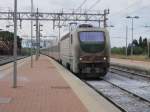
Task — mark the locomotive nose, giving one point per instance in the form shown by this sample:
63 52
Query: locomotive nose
92 58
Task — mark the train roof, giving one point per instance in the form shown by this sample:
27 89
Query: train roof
83 29
65 36
85 26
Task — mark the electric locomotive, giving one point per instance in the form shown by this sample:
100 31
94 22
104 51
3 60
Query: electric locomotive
86 51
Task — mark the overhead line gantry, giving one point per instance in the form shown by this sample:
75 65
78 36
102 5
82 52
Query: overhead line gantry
58 17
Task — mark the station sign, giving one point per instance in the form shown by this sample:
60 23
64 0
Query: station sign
34 44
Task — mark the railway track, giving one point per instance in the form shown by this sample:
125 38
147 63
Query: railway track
9 67
130 95
5 59
124 100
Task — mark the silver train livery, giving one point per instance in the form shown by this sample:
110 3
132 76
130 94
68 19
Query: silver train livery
85 51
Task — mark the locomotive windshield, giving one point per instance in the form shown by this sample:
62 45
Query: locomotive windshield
92 37
92 41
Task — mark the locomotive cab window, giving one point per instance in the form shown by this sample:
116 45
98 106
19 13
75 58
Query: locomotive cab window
92 41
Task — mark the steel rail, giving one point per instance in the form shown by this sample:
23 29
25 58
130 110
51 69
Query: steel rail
111 100
10 61
115 85
100 93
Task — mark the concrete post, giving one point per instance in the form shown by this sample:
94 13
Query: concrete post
37 36
15 46
126 40
31 35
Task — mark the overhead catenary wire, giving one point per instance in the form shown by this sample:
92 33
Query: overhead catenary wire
78 8
94 4
123 11
81 5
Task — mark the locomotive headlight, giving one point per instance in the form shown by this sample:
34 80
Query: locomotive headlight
81 59
105 58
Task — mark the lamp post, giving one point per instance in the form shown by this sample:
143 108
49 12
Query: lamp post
37 15
126 40
15 46
37 35
14 82
132 19
31 35
39 39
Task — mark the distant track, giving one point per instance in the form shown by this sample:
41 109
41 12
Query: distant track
3 58
6 60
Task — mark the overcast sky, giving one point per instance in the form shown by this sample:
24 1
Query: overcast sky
119 9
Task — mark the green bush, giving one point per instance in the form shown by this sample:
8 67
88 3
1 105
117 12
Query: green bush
138 50
119 50
27 51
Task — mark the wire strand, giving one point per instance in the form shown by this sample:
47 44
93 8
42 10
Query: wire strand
82 4
94 4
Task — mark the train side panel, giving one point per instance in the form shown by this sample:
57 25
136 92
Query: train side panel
52 51
65 50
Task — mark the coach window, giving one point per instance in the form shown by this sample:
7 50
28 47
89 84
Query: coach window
71 39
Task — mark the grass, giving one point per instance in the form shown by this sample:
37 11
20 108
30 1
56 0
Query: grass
134 57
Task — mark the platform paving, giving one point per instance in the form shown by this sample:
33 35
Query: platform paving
40 89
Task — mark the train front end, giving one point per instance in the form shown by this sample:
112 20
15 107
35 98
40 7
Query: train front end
94 56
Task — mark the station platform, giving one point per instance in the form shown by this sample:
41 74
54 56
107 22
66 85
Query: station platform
132 64
47 87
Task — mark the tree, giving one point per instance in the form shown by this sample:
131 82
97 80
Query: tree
135 43
144 45
140 41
